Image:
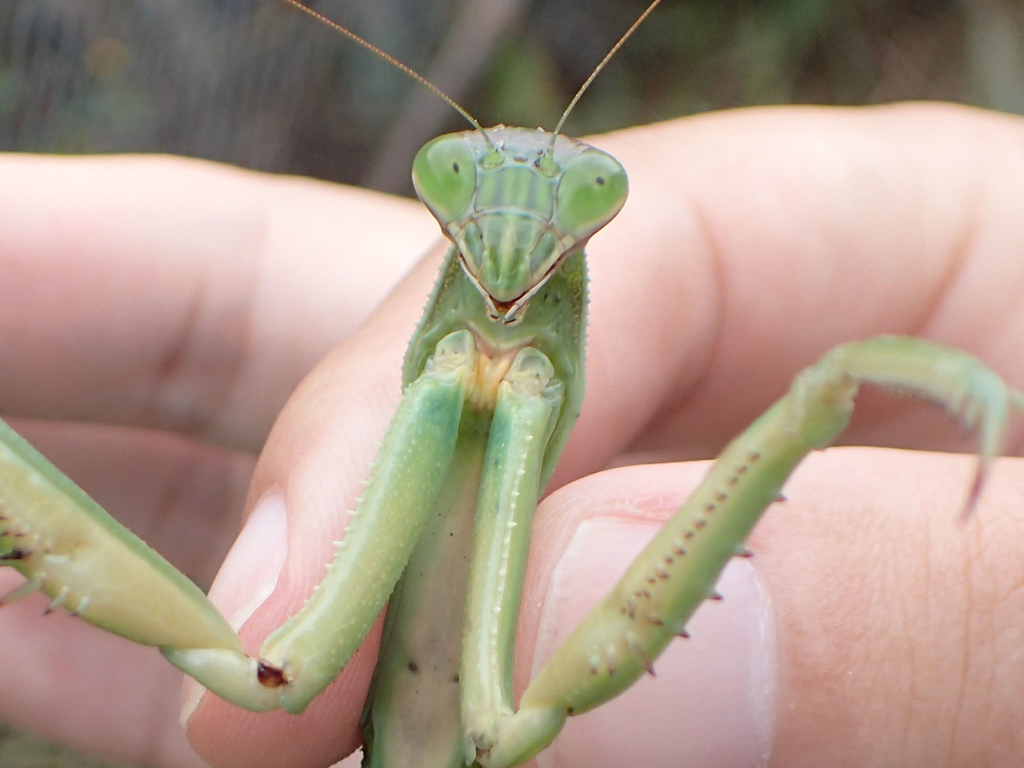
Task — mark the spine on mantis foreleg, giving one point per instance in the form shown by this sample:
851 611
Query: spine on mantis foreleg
620 638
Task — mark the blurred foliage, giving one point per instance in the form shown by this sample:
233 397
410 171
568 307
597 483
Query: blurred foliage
256 83
698 56
18 750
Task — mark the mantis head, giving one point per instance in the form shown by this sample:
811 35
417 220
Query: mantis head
515 203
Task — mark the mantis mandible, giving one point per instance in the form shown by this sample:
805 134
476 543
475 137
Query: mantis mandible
493 381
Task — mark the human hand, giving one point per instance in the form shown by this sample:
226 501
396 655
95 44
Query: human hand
867 623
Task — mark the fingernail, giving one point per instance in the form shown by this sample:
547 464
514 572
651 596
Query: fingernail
713 700
251 569
248 576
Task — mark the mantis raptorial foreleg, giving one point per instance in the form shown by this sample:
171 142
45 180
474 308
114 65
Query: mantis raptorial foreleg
421 665
622 636
73 552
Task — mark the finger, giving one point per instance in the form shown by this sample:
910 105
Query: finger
869 624
755 240
179 294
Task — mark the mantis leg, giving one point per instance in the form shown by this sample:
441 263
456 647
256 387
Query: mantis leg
528 403
620 638
427 708
314 645
412 710
69 548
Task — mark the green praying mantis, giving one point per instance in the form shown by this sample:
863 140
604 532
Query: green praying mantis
493 380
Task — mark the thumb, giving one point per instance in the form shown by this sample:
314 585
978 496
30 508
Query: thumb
869 628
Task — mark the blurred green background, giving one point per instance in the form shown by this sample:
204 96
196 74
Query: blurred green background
258 84
20 750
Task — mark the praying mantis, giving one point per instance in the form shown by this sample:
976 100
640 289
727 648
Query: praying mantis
493 379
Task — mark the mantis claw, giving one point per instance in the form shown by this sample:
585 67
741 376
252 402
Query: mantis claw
270 676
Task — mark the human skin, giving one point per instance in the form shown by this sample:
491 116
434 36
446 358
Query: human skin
190 299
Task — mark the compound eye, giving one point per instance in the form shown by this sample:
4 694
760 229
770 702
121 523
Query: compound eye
444 175
592 190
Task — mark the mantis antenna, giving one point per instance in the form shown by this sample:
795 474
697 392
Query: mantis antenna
399 65
597 70
448 99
